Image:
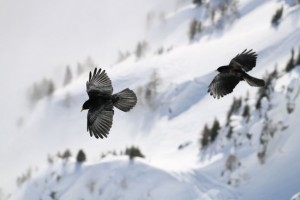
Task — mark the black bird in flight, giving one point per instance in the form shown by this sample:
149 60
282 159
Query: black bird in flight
230 75
101 103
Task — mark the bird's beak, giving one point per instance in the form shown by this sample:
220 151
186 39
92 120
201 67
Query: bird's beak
81 109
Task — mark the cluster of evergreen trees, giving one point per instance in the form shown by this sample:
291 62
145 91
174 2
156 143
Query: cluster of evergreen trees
24 177
219 13
293 62
40 89
147 94
141 49
139 52
195 29
46 86
209 134
264 103
54 175
131 152
66 155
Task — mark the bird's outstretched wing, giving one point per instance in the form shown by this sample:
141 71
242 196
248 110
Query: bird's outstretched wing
223 84
100 119
99 84
246 60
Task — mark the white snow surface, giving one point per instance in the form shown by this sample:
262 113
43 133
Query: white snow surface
174 116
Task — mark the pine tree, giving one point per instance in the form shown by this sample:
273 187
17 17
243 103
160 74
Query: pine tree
141 49
234 108
68 76
198 2
81 156
50 87
53 195
66 155
214 130
195 28
50 159
151 87
290 65
277 16
205 139
40 89
230 132
246 112
160 51
265 91
133 152
298 58
103 155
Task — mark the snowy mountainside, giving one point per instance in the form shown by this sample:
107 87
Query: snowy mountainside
126 179
173 108
261 142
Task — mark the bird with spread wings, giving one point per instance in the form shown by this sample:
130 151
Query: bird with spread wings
230 75
102 101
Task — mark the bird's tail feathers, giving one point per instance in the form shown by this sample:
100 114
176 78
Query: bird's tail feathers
256 82
125 100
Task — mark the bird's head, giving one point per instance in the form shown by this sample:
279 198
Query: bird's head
222 68
86 105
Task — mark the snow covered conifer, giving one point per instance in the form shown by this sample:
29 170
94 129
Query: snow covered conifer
133 152
205 139
141 49
246 112
265 91
81 156
66 155
277 16
290 65
234 108
40 89
195 29
198 2
297 61
214 130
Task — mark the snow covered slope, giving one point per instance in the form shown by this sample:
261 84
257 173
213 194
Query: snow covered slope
127 180
166 124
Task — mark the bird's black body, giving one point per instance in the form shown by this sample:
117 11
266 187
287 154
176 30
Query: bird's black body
101 103
230 75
